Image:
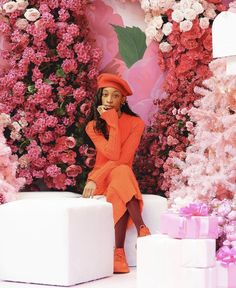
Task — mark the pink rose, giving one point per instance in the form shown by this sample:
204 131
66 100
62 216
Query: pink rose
70 142
21 23
102 31
32 14
89 162
60 181
146 82
84 108
73 170
68 157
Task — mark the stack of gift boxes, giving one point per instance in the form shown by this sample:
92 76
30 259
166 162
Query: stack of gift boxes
184 254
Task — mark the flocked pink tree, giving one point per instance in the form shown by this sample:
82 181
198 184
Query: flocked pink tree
9 184
209 169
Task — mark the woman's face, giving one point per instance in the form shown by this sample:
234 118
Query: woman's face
112 98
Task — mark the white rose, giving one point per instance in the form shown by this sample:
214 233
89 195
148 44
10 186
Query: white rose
21 23
167 28
148 17
32 14
185 25
154 4
204 22
165 47
157 22
23 122
15 135
5 119
22 4
190 14
159 35
198 7
145 5
16 126
151 31
185 4
177 16
210 13
165 4
10 7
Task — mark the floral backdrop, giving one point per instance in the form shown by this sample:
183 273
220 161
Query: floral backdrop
51 53
48 79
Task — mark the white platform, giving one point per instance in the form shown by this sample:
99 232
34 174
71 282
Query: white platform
115 281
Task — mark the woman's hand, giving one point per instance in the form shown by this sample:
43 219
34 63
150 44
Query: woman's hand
89 189
102 108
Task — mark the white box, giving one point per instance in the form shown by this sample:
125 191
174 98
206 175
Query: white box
198 277
161 260
57 241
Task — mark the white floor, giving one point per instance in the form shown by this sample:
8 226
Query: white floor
116 281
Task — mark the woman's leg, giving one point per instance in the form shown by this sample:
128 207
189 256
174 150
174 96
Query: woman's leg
120 230
134 212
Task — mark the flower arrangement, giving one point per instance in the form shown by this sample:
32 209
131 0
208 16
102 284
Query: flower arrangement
184 55
48 88
9 183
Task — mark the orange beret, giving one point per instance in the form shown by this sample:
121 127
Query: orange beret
111 80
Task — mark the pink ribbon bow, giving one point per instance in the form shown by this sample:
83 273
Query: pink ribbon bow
194 209
226 255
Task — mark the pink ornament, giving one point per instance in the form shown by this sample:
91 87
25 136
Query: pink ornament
232 215
231 237
221 220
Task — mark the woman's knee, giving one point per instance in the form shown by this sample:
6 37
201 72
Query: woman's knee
122 168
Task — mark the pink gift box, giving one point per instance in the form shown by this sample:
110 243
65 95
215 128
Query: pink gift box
225 275
194 227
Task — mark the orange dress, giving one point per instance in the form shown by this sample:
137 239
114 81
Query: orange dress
112 171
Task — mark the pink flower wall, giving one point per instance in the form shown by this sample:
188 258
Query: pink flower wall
144 76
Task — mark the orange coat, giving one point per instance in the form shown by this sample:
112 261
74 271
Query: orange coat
113 172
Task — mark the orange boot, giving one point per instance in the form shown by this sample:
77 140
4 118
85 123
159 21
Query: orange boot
143 231
120 263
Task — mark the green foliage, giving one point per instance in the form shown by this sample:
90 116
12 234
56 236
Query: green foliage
132 44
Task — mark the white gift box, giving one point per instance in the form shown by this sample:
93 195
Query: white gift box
198 277
225 276
159 256
158 262
57 241
198 253
222 30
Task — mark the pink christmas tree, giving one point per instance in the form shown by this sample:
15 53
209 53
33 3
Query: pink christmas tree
9 184
209 169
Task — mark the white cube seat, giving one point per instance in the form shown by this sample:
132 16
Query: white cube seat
57 241
154 206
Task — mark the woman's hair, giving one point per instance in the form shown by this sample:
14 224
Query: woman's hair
100 124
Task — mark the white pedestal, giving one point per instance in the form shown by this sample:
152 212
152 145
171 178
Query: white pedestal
57 241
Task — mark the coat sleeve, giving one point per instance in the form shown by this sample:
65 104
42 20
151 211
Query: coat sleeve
128 150
109 148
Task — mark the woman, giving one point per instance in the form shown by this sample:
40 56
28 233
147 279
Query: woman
116 131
